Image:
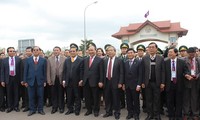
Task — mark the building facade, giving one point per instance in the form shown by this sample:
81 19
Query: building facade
23 44
162 31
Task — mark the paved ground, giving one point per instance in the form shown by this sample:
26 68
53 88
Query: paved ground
57 116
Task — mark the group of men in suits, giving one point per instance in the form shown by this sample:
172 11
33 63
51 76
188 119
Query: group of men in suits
122 79
34 78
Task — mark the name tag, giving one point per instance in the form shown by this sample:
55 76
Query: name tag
173 74
11 68
153 63
193 72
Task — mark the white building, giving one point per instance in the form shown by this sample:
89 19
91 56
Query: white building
162 31
23 44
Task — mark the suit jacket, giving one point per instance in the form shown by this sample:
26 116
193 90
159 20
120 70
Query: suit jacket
0 70
181 71
93 74
123 58
31 74
74 71
133 74
191 83
159 69
51 69
5 71
118 72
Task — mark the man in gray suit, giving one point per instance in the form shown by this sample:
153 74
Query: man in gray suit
54 78
153 80
191 86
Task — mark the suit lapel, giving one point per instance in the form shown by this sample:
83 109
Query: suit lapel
115 64
134 62
87 62
188 63
94 60
157 61
177 66
39 61
16 61
75 62
196 65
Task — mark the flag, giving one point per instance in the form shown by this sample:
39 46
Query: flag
147 14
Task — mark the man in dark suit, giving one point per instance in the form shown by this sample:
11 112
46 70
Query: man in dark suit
113 81
72 75
191 86
175 72
24 89
35 80
140 54
92 80
153 79
54 78
2 106
11 79
133 81
124 47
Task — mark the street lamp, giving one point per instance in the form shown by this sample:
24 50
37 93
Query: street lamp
85 39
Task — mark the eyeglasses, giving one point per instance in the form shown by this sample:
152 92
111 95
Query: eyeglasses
11 51
72 51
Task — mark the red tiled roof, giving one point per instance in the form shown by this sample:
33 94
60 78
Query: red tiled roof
162 26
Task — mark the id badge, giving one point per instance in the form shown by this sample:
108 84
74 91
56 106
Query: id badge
193 72
11 68
173 74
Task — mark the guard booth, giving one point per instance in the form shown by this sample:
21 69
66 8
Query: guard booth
162 31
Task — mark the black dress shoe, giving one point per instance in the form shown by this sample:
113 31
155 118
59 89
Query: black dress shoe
61 110
171 118
157 117
16 109
31 113
129 117
2 109
9 110
107 115
26 109
96 114
53 111
23 106
149 117
136 117
77 113
69 112
117 117
41 112
88 113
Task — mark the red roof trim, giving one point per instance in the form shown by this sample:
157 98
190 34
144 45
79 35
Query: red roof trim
162 26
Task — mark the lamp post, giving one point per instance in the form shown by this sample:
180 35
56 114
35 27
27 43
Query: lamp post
85 39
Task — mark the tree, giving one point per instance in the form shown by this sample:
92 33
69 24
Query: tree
48 53
82 46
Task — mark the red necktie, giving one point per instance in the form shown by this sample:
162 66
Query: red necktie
90 62
36 62
109 69
12 65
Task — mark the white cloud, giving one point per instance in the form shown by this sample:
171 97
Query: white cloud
60 22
